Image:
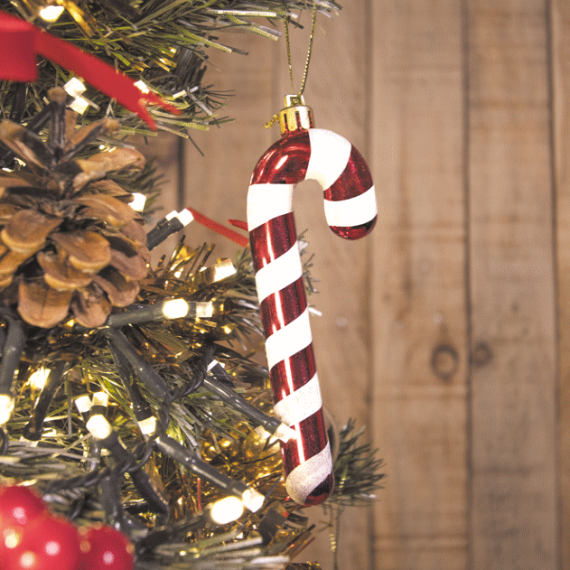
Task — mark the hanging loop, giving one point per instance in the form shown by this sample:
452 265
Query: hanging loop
309 52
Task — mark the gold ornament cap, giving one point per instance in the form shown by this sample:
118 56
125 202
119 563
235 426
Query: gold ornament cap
295 116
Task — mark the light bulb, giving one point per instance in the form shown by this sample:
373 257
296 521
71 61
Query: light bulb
6 407
83 404
99 427
142 86
252 500
204 309
226 510
39 378
51 13
79 104
148 425
175 308
137 204
100 399
74 87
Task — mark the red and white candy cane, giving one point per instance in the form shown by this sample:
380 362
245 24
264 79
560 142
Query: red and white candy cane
350 207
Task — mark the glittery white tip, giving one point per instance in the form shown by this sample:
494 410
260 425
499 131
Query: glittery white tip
306 477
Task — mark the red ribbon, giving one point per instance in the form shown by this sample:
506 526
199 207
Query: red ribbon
21 41
242 241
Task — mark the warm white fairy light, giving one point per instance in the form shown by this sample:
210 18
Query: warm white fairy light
39 378
138 202
83 404
6 408
79 105
148 426
226 510
185 217
100 399
99 427
175 308
221 270
50 13
252 500
142 86
74 87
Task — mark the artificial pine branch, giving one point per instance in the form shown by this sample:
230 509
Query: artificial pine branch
163 43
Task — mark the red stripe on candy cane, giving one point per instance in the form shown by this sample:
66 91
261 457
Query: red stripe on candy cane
350 208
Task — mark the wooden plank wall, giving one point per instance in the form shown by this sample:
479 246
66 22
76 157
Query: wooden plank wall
446 332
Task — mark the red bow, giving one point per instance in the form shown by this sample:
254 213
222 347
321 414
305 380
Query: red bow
21 41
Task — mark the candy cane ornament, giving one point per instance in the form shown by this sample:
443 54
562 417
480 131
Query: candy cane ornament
302 153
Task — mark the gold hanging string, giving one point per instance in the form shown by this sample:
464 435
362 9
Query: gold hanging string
275 118
309 52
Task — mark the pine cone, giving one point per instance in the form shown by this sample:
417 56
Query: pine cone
69 242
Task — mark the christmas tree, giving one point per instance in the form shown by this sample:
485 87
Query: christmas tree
137 423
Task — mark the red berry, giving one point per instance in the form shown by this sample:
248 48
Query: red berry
48 543
19 505
104 548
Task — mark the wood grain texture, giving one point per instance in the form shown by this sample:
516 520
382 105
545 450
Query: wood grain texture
216 183
513 453
419 311
560 18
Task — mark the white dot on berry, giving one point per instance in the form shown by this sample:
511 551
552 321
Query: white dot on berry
53 548
108 558
27 560
19 514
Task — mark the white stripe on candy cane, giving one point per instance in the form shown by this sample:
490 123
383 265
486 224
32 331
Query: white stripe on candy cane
307 476
352 211
330 154
300 404
289 340
280 273
268 201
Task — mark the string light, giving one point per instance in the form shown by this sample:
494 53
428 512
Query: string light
83 404
142 86
223 390
138 202
51 13
170 224
11 353
75 88
49 380
251 499
175 308
226 510
169 309
99 427
39 378
6 408
142 370
101 430
148 426
100 403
